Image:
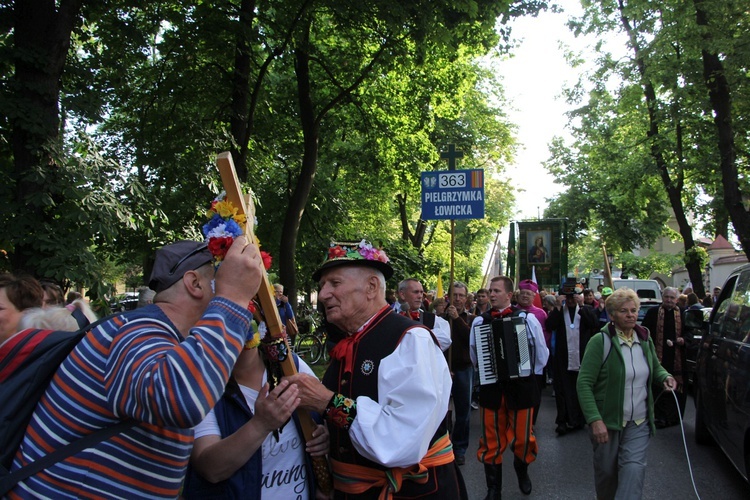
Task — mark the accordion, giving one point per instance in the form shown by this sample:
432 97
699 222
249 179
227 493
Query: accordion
502 350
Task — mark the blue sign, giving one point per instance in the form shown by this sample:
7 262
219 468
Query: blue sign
453 194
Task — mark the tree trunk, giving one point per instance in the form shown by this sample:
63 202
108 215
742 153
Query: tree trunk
293 217
41 42
721 102
673 187
416 239
240 117
310 132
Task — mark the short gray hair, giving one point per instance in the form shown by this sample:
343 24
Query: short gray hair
619 297
402 285
550 300
381 279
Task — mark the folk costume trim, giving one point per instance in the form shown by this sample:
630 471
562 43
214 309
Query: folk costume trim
344 350
341 411
356 479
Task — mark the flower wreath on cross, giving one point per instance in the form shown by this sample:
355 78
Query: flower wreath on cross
225 223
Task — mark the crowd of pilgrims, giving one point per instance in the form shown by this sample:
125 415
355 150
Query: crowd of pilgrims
272 456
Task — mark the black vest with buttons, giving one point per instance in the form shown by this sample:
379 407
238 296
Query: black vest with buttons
379 342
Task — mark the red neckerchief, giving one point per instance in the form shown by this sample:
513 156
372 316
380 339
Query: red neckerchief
344 350
496 313
414 315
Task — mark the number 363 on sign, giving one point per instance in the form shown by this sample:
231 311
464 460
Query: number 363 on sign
456 194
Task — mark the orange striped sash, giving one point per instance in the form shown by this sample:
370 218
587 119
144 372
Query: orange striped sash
354 479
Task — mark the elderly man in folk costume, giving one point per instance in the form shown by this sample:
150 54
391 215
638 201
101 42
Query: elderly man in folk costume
386 393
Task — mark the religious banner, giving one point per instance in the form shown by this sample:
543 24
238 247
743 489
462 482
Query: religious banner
542 250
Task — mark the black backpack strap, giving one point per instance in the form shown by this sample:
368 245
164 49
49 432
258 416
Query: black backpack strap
8 482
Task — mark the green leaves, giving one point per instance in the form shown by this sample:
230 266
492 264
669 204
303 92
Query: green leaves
617 184
150 92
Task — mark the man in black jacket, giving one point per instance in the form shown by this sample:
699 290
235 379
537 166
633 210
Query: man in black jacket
573 325
461 368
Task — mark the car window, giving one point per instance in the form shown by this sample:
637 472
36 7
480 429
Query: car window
732 318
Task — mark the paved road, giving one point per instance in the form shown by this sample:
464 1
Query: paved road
563 469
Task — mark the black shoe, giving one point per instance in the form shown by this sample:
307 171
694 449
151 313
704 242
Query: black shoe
494 477
561 429
522 471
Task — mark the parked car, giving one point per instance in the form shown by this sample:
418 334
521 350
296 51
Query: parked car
125 302
647 290
645 306
694 335
722 376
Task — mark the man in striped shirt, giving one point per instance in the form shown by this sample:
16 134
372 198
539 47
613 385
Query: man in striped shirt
163 366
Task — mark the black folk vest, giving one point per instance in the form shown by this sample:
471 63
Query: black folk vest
380 341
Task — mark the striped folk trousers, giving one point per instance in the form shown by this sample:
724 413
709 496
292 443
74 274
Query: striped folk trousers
503 427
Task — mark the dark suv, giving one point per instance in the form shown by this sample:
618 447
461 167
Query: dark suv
722 378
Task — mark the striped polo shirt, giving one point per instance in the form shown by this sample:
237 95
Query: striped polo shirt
135 366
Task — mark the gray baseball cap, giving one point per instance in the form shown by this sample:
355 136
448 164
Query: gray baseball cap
173 261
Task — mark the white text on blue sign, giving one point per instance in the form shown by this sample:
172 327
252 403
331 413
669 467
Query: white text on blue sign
455 194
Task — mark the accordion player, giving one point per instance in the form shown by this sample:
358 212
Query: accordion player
503 350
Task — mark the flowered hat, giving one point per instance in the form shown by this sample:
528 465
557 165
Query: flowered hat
358 254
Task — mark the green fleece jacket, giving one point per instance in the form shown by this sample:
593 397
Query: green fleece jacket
601 386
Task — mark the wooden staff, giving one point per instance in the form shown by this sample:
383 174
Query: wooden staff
268 304
607 271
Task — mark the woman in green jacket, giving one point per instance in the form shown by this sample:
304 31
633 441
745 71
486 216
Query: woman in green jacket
614 389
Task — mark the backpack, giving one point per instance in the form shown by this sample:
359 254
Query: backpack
28 361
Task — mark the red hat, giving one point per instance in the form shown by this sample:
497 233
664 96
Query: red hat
528 285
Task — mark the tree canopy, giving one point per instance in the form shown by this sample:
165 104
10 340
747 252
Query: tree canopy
646 134
331 111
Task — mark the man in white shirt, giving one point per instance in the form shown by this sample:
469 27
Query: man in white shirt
386 393
411 293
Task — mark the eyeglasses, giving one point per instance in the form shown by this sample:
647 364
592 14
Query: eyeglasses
186 257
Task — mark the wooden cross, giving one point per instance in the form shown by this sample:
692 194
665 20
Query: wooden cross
267 300
451 156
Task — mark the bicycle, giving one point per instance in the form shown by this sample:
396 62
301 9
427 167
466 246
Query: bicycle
322 335
309 347
310 343
312 347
